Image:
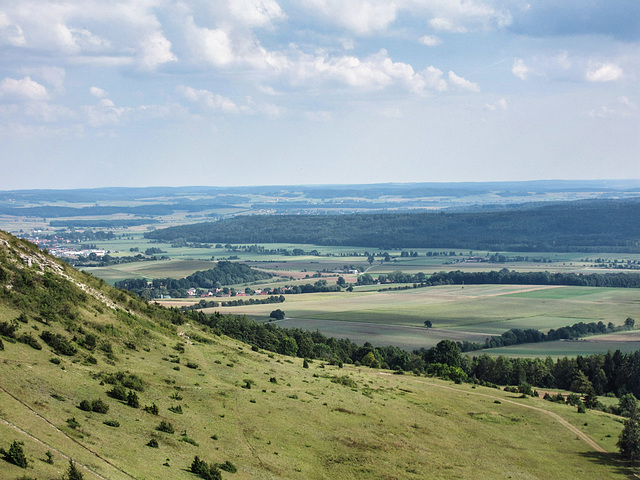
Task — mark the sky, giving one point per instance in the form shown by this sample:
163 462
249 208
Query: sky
98 93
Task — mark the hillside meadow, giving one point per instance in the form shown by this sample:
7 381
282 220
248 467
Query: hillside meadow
320 422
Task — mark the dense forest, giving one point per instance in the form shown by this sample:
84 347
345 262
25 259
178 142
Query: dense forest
510 277
224 273
587 225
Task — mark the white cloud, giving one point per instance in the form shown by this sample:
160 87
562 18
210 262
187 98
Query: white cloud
257 13
430 40
498 105
97 92
155 50
211 45
446 25
462 83
103 114
520 69
429 79
10 33
361 16
603 72
23 89
54 76
208 99
623 107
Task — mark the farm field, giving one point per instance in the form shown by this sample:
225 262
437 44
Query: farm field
471 314
625 342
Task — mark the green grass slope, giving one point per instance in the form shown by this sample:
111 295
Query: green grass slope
266 414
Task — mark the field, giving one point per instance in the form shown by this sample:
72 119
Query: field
471 313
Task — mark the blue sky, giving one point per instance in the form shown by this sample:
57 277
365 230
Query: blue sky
255 92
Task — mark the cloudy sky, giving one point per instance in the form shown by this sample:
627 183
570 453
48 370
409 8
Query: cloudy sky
258 92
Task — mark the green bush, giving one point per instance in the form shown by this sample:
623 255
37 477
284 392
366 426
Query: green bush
118 392
85 405
153 443
30 340
73 423
59 344
99 406
228 467
204 470
112 423
166 427
152 409
132 399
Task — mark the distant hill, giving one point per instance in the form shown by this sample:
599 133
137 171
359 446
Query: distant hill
130 390
587 225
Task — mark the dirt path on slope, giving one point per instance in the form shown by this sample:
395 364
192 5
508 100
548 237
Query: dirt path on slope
573 429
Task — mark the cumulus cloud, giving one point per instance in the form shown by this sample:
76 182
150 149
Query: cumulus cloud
430 40
97 92
462 83
208 99
520 69
211 45
22 89
10 33
446 25
257 13
361 16
603 72
155 50
54 76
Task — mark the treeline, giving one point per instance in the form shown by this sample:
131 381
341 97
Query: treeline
224 273
234 303
506 277
616 372
510 277
121 223
93 260
586 225
320 286
517 336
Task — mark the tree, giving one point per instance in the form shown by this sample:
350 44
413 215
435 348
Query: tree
341 282
277 314
446 352
629 440
15 454
628 405
629 323
132 399
428 324
73 473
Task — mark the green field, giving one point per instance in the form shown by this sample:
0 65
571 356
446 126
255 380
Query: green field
472 313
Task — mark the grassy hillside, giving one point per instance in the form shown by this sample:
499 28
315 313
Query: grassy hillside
264 413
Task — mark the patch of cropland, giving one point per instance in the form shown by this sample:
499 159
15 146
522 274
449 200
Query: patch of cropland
97 382
570 226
